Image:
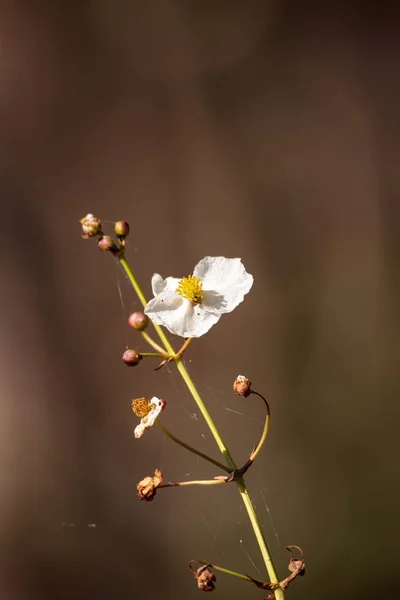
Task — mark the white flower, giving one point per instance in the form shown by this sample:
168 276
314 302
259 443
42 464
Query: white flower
189 307
153 409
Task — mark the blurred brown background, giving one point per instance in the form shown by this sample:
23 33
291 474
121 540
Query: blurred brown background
265 130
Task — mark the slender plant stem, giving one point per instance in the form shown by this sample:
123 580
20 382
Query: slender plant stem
183 348
206 415
265 430
135 284
260 444
190 448
259 534
152 354
226 571
153 344
198 482
239 480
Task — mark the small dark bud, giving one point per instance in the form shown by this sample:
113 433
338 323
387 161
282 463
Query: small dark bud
205 579
106 244
242 385
122 228
91 226
138 321
131 358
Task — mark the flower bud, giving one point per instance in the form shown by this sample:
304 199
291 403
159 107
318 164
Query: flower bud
138 321
242 385
131 358
205 579
122 228
147 488
91 226
106 244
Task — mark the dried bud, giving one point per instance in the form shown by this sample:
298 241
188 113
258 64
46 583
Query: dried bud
148 486
297 565
141 407
106 244
131 358
91 226
205 579
138 321
242 386
122 228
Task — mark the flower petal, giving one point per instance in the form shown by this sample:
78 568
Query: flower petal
197 321
179 316
225 282
163 303
159 285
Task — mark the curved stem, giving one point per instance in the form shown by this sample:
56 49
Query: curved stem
182 349
260 444
190 448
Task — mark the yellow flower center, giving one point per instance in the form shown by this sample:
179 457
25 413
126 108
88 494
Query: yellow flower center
191 288
141 407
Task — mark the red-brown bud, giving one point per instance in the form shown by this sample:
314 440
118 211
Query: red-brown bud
131 358
106 244
138 321
242 386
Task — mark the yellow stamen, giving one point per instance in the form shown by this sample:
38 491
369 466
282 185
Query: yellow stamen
191 288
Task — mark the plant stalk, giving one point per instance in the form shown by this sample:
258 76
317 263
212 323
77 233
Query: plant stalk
239 480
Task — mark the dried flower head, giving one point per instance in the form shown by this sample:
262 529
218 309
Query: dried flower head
91 226
205 579
148 410
147 488
242 386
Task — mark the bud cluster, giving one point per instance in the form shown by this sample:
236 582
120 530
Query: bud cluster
92 227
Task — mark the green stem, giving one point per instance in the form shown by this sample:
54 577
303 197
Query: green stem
232 573
154 345
135 284
190 448
264 434
259 534
206 415
265 430
198 482
153 354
